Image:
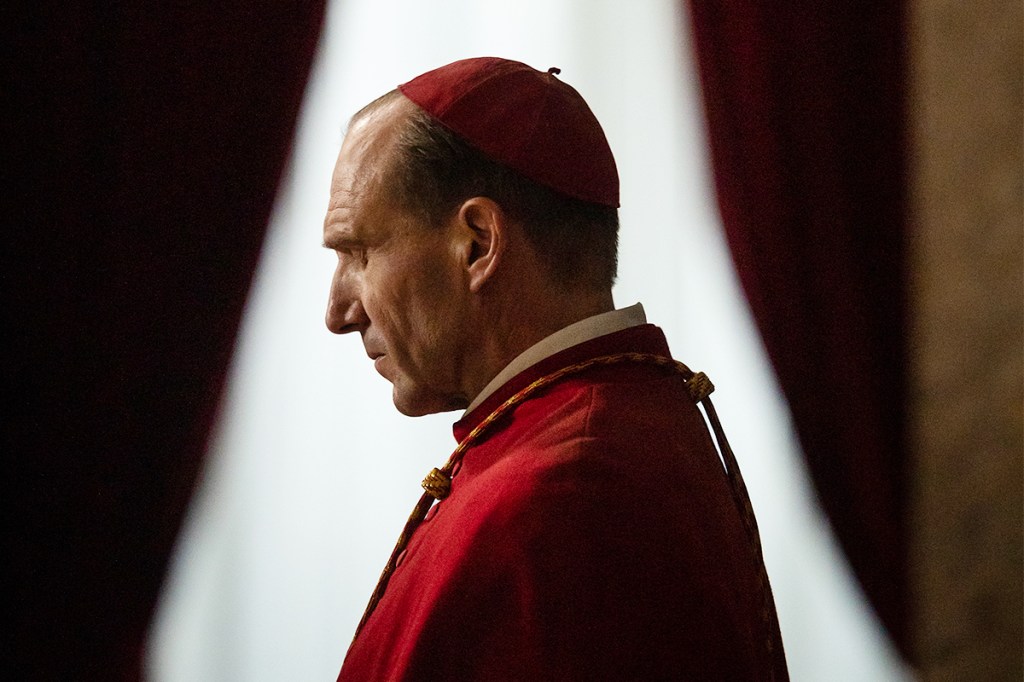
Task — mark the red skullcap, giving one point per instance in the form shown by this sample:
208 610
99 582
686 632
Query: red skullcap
525 119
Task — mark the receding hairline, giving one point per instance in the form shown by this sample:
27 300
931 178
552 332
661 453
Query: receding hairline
382 102
376 130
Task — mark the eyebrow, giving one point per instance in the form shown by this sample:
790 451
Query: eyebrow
335 235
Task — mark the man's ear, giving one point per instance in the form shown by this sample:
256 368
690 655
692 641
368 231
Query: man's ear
487 228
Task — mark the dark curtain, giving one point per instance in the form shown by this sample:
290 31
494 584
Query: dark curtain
144 144
805 110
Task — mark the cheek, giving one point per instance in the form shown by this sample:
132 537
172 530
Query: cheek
396 308
431 318
413 302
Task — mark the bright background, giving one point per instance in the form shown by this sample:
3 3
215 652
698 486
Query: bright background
312 472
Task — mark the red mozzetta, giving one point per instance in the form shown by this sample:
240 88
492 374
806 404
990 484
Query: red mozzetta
590 535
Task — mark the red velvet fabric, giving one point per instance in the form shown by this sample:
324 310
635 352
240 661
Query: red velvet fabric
144 145
805 110
591 535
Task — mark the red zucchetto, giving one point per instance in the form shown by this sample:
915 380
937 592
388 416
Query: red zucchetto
524 119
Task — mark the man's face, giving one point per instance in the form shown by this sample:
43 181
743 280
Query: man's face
397 282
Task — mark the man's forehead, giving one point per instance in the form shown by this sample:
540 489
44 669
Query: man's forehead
345 180
368 147
348 185
377 129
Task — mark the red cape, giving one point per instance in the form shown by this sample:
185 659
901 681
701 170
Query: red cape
590 535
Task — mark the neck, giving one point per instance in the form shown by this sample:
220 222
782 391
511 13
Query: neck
509 329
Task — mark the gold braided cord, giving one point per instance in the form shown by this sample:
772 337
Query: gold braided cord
437 484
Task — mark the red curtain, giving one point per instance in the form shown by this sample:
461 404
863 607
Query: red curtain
805 110
143 155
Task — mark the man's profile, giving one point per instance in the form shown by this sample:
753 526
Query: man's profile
584 528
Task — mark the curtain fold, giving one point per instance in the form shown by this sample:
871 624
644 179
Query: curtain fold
805 110
143 158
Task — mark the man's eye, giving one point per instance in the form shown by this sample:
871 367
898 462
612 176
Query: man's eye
353 253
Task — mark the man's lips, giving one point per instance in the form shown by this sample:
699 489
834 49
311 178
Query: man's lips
377 360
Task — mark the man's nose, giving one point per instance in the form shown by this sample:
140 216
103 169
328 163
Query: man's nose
345 311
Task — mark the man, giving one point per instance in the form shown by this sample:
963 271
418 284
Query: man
585 528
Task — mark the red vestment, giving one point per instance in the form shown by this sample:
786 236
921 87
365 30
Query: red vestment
590 535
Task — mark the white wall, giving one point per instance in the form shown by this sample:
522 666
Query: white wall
312 473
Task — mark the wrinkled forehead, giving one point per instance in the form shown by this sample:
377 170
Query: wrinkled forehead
369 146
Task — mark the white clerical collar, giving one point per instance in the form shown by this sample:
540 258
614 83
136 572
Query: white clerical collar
567 337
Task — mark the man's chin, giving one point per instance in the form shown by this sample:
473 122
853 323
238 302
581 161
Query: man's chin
420 403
